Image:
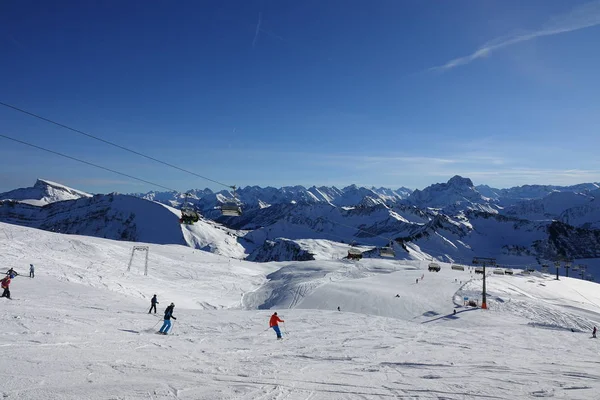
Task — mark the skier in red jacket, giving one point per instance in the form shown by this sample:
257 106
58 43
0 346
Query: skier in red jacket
5 285
273 324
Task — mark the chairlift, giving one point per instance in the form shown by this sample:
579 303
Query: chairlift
188 213
231 208
387 251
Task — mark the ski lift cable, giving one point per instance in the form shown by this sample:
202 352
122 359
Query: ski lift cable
87 162
112 144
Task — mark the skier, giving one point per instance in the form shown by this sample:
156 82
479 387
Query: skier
273 324
454 312
168 315
339 308
153 304
5 283
31 271
11 272
417 280
594 332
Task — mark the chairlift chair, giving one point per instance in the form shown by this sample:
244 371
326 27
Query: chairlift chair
188 213
231 208
387 251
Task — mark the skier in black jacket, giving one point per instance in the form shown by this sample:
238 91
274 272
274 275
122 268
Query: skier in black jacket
153 304
168 315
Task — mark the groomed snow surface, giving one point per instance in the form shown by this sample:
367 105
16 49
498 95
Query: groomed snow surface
81 329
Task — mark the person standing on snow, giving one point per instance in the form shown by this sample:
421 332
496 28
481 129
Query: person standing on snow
273 324
168 315
5 283
31 271
153 304
11 272
594 332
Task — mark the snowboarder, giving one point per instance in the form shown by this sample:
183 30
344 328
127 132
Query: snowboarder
31 271
168 315
594 332
5 283
153 304
273 324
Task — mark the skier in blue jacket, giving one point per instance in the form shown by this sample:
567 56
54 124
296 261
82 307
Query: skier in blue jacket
168 315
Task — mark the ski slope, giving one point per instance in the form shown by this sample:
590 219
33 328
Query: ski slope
80 329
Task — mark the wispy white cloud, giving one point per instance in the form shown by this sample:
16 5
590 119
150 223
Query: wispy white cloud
583 16
257 29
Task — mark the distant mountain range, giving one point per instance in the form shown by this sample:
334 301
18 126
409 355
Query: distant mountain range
448 221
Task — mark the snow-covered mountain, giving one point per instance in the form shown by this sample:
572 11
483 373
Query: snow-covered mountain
586 215
43 192
458 194
257 197
531 192
510 240
443 221
548 207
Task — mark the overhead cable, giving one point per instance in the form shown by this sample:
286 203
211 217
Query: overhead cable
86 162
111 143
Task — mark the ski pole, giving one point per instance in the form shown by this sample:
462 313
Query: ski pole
261 332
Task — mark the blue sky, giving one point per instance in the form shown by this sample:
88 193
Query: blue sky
273 93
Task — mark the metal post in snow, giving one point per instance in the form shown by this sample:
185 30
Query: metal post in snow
484 261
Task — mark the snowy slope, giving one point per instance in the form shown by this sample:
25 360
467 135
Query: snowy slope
80 329
43 192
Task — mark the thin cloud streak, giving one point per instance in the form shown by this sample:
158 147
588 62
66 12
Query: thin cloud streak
584 16
257 29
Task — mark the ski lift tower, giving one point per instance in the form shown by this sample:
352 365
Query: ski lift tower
483 262
567 266
139 248
557 265
582 268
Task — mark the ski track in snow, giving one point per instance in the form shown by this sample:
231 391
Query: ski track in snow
80 329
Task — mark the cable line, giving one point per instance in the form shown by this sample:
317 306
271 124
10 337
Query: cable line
87 162
111 143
